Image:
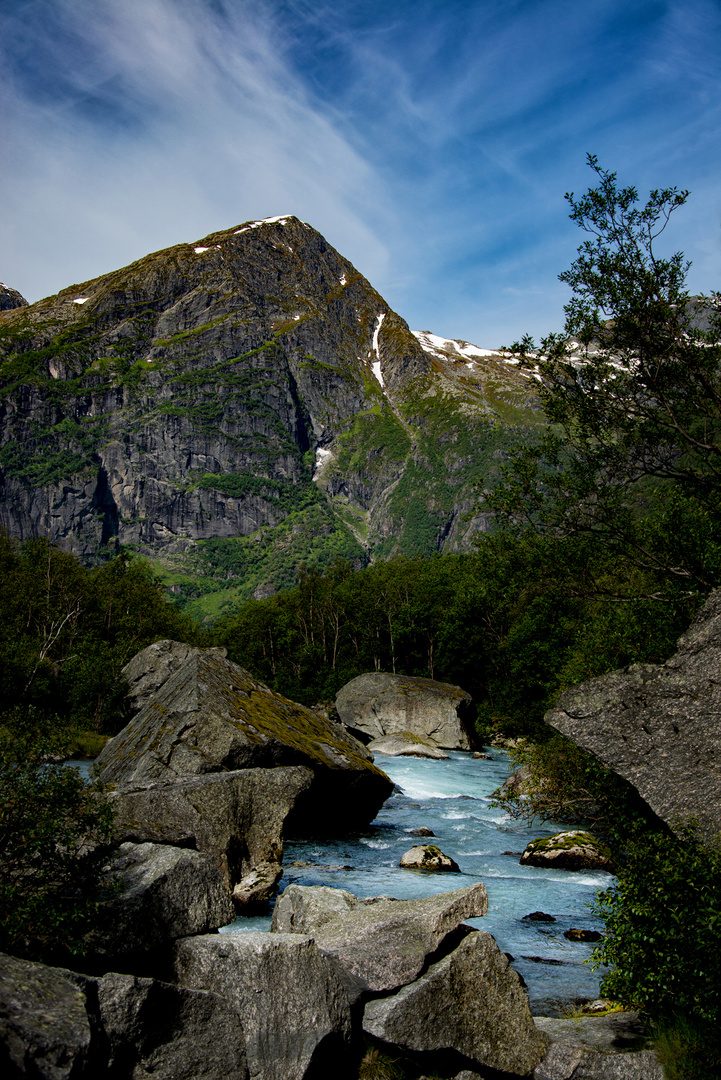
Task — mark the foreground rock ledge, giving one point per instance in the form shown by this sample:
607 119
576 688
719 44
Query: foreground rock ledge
379 704
471 1001
659 725
58 1025
293 1007
211 716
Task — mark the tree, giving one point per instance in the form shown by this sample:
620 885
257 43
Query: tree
632 392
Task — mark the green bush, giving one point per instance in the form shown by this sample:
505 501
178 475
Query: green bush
663 927
54 832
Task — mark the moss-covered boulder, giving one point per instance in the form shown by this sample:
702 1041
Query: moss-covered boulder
428 857
572 850
212 716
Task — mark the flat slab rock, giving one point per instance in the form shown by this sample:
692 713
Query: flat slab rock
472 1001
404 743
659 725
567 1062
380 942
380 704
211 716
57 1024
290 999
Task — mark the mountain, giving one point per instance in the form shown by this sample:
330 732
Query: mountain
235 407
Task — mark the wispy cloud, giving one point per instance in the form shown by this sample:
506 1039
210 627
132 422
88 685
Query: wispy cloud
161 126
430 143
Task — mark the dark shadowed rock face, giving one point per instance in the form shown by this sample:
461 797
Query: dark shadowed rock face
213 716
659 725
471 1001
380 704
56 1024
163 893
291 1002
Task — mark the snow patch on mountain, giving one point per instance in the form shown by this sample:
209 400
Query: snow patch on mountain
377 365
281 219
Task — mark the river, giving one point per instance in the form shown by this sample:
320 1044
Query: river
453 799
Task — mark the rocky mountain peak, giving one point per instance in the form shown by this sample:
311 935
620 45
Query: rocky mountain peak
250 384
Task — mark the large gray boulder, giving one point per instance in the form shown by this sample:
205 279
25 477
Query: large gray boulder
212 716
56 1024
659 725
472 1002
235 817
149 669
159 893
288 995
381 943
380 704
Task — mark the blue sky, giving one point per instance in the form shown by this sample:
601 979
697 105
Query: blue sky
430 142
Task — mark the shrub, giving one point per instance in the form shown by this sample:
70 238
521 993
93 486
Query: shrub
54 829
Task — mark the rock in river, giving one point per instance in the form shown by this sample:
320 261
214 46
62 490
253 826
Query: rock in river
428 857
379 704
212 716
573 850
405 743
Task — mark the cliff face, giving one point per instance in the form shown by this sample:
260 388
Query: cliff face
252 384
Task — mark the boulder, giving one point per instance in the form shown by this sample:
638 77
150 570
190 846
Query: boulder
44 1025
288 995
56 1023
212 716
149 669
423 830
659 725
236 817
472 1002
380 942
380 704
572 850
163 893
428 857
404 742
